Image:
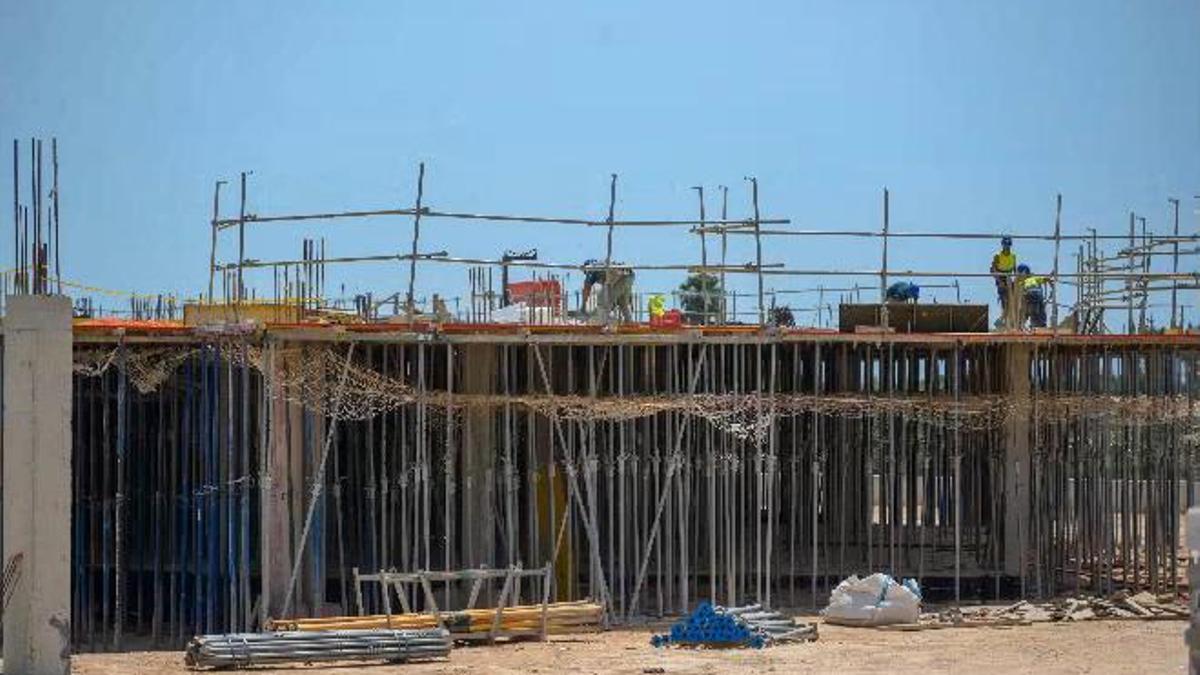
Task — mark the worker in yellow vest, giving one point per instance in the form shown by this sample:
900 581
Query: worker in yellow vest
657 306
1004 264
1035 298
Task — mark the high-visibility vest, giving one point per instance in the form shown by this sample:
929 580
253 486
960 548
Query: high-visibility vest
657 306
1004 262
1031 283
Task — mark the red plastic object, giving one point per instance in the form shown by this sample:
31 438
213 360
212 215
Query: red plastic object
670 319
542 293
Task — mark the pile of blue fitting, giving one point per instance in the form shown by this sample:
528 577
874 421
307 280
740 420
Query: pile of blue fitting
726 627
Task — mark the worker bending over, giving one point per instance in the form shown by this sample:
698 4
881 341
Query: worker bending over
616 281
903 291
1004 264
1035 298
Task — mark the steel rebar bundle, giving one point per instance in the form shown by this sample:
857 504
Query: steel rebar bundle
248 649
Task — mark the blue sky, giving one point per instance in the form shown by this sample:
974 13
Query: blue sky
974 115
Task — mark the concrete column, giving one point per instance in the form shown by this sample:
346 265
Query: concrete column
296 440
1016 456
37 481
480 447
277 522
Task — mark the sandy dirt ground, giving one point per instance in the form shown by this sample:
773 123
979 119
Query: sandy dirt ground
1087 647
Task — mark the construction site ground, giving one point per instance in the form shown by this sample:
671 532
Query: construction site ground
1079 647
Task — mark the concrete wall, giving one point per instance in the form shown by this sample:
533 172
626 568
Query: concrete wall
37 482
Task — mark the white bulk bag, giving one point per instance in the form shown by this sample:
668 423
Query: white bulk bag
876 600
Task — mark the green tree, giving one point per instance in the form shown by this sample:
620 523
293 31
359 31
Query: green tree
701 297
781 315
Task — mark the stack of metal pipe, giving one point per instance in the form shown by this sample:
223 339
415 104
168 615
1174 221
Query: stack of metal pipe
237 650
772 625
751 626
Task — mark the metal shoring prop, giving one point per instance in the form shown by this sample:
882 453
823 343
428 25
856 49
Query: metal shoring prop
318 480
450 486
672 465
573 487
957 478
816 468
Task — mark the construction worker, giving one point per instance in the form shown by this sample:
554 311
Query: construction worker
1004 263
441 313
903 291
617 283
1035 298
656 306
592 275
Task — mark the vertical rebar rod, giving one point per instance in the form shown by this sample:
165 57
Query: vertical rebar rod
416 237
1054 277
757 248
883 270
37 218
16 215
54 201
28 251
1129 276
1175 267
703 255
608 251
238 290
724 250
1143 280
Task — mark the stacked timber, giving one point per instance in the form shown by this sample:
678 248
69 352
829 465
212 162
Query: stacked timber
239 650
560 617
